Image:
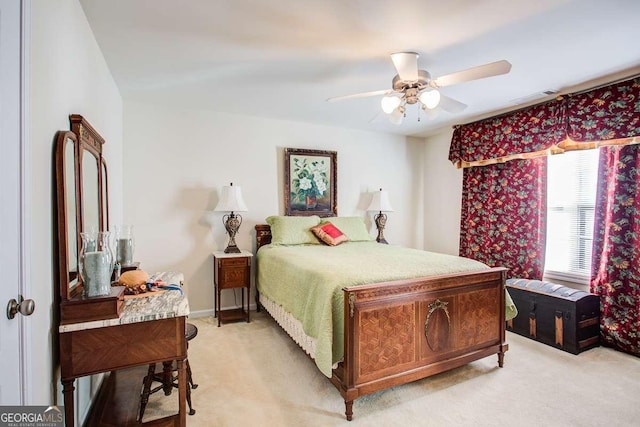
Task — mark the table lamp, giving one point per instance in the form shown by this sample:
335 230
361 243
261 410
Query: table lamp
231 201
380 203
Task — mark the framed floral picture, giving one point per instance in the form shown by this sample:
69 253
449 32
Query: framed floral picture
310 182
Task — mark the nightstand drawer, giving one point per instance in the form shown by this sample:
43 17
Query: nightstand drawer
233 277
232 272
234 262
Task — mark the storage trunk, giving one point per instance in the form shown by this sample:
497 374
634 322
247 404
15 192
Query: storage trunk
559 316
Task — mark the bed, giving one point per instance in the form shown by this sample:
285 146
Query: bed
369 321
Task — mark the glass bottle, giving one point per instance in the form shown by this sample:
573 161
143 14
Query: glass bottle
124 245
95 262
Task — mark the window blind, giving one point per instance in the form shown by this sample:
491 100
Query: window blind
571 195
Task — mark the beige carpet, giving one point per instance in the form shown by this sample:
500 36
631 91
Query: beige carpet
254 374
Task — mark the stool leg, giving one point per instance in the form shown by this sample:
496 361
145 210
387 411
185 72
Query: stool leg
146 389
189 377
191 410
167 377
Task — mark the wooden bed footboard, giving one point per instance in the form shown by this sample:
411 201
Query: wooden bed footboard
402 331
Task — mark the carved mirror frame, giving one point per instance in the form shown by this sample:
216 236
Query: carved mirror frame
72 193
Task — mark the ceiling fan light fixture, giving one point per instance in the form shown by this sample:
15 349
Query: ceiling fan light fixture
430 98
412 85
389 103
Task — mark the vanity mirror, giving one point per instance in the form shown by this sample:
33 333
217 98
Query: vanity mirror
65 165
82 206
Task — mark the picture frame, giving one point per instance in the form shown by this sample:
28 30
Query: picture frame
311 182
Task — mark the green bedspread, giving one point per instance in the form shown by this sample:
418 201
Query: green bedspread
307 281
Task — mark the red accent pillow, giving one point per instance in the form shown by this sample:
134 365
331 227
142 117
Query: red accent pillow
329 234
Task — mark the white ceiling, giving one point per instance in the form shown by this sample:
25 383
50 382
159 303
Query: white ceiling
283 59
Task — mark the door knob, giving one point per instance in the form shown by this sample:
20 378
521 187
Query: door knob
22 306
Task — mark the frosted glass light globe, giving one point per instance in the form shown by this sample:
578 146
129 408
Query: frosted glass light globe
430 98
396 116
389 103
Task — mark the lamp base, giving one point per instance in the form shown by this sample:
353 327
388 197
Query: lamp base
381 220
232 224
232 250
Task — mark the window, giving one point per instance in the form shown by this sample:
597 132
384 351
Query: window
571 195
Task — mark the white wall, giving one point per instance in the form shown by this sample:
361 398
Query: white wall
176 162
442 196
68 74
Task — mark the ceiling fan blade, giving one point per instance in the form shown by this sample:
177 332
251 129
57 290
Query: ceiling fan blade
451 105
406 64
432 113
374 118
360 95
475 73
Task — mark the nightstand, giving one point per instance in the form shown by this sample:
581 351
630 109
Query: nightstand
231 271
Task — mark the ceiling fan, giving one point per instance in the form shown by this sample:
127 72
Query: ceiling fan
413 86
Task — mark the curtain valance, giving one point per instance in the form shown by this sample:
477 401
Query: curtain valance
605 116
611 112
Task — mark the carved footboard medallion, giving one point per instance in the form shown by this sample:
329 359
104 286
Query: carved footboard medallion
437 326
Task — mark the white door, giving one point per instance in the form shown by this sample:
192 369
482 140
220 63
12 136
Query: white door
11 208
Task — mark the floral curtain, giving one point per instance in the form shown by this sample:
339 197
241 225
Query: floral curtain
605 116
609 114
504 216
616 247
525 133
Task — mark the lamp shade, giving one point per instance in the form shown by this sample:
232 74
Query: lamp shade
380 202
231 200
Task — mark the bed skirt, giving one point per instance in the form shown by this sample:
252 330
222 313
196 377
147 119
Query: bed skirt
291 325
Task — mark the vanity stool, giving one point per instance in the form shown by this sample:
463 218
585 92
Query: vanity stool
167 379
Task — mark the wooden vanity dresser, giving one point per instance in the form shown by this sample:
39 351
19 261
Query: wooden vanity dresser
149 330
106 333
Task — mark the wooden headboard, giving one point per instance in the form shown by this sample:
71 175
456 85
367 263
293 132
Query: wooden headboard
263 235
